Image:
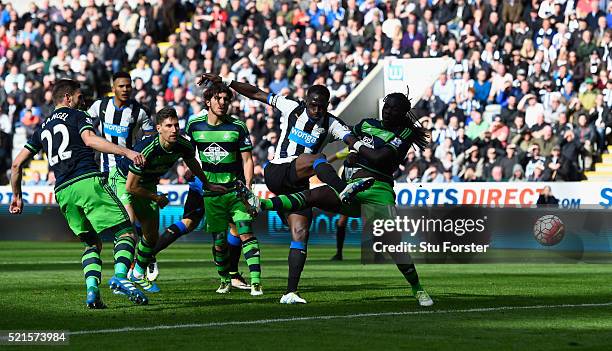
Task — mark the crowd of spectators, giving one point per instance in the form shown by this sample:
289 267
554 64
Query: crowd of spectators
526 98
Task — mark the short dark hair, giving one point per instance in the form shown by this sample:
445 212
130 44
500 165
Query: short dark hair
63 87
121 74
165 113
318 90
216 89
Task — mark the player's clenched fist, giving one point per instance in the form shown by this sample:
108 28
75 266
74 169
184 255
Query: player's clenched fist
16 205
208 77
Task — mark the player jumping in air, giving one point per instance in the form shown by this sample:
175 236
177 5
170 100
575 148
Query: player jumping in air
305 130
136 185
382 146
86 201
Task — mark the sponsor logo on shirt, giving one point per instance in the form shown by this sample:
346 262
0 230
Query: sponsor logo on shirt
115 130
303 138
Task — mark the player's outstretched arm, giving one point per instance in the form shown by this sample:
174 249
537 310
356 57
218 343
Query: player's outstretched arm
16 202
132 186
248 90
100 144
195 167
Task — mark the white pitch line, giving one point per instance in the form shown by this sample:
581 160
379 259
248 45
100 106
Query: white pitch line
347 316
187 260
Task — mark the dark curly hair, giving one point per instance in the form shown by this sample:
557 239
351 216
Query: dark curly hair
419 135
216 89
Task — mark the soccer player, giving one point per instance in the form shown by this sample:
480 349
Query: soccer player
120 120
193 214
382 146
86 201
136 185
224 147
305 130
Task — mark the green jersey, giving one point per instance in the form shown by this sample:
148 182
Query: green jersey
158 159
375 135
219 147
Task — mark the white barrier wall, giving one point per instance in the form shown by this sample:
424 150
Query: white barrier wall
571 195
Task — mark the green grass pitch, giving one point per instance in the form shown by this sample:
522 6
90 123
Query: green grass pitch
351 306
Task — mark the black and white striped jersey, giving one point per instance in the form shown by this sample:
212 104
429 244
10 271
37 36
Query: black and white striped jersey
122 126
301 134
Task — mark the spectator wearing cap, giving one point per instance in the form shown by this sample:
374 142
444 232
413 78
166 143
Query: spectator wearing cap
587 98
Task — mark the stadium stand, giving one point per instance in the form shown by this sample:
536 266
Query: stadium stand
527 98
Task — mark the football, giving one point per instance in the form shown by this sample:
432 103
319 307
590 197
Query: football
549 230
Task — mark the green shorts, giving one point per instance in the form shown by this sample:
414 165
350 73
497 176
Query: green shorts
378 202
225 209
90 204
143 208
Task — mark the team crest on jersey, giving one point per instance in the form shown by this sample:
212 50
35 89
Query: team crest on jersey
215 153
397 142
319 130
368 140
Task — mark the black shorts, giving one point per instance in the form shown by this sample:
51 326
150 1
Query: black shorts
194 206
282 179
